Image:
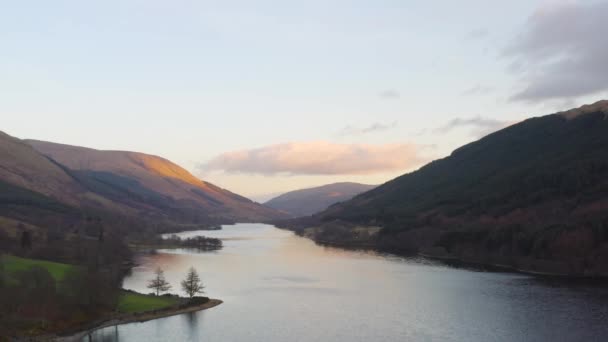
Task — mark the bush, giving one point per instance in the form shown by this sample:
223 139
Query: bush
198 300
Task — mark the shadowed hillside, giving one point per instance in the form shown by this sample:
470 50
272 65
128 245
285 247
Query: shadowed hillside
24 167
39 196
152 184
306 202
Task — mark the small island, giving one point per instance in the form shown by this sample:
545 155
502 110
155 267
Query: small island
200 243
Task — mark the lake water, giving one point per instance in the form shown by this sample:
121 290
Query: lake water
280 287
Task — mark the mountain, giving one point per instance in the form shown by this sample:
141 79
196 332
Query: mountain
22 166
151 185
55 189
36 193
532 196
309 201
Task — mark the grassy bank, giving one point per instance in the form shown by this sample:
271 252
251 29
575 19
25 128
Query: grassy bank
131 302
12 265
128 302
136 317
130 305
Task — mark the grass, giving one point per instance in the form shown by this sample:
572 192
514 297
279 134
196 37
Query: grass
130 302
13 265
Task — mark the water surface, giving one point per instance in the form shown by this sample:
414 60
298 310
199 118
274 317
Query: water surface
280 287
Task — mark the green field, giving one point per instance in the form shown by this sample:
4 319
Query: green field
135 302
13 265
129 302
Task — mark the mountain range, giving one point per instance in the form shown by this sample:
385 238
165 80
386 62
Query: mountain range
44 182
309 201
532 196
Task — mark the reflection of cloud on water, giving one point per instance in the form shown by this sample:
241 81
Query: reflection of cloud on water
294 279
151 261
292 289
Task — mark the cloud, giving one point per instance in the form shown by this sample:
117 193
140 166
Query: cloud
478 90
562 52
478 33
373 128
318 158
390 94
480 126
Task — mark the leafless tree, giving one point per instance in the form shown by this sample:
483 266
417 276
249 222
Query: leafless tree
192 285
159 283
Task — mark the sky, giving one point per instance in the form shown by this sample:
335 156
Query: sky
263 97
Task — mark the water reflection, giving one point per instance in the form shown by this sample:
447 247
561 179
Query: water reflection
109 334
192 323
280 287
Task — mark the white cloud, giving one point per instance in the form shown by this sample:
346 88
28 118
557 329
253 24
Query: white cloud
318 158
480 126
478 33
478 89
373 128
390 94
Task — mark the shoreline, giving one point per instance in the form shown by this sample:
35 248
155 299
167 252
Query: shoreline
513 269
136 318
448 259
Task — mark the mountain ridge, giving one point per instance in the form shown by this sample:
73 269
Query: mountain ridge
308 201
150 180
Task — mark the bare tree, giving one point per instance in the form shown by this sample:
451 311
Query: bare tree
192 285
159 283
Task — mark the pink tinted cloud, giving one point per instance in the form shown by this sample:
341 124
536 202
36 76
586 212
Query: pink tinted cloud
318 158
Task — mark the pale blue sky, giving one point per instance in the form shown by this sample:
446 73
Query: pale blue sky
191 80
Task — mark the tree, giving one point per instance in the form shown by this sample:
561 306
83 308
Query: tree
192 284
1 273
89 290
26 240
159 283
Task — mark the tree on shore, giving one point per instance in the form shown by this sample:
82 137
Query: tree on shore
159 283
192 285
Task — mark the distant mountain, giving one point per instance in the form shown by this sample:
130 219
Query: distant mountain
151 185
532 196
312 200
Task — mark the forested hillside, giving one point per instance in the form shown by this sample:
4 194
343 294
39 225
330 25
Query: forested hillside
532 196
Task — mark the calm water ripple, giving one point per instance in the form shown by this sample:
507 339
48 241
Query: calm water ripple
280 287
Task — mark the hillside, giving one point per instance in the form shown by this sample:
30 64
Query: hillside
36 193
22 166
309 201
532 196
152 185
